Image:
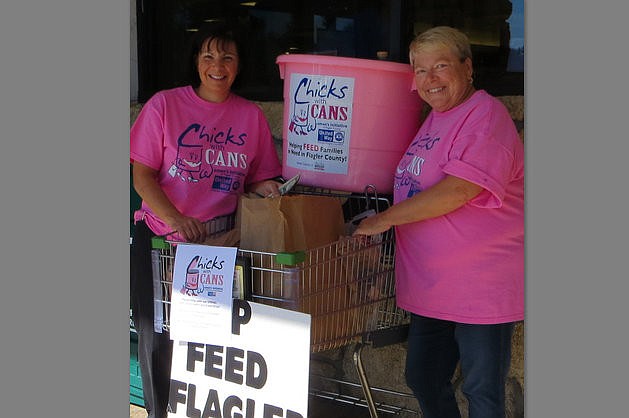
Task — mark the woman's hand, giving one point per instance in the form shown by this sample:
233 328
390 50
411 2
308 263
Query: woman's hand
190 229
371 225
145 183
444 197
266 188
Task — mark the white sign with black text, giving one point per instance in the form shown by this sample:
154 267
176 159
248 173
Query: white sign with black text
259 370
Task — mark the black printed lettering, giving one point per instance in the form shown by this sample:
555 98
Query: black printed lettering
176 394
241 314
271 411
255 361
212 359
234 363
191 411
194 355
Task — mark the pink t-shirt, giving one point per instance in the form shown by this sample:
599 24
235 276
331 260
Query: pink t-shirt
466 266
205 153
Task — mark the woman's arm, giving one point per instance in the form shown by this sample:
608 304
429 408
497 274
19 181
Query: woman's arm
444 197
147 187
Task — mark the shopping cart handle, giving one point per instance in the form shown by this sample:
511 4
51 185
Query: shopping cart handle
159 243
290 258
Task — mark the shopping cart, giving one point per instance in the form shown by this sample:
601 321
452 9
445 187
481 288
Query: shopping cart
348 287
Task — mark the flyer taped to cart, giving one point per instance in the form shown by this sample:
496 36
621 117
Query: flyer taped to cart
201 292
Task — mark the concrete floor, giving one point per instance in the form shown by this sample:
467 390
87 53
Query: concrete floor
136 411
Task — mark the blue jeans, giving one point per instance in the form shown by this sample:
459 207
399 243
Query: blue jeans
435 347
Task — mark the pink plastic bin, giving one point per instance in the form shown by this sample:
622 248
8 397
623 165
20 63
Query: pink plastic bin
347 121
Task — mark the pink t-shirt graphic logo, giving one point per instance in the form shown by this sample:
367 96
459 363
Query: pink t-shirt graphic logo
410 167
192 286
188 163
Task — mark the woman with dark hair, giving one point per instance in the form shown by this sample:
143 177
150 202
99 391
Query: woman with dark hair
195 149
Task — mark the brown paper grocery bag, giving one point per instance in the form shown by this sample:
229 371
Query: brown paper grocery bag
289 223
224 239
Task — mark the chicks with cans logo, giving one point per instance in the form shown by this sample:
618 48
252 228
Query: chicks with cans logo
203 275
427 142
300 121
320 118
318 99
211 153
203 278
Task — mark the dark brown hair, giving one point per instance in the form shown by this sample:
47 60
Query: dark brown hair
221 31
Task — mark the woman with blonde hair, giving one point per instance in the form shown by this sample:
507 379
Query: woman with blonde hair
458 215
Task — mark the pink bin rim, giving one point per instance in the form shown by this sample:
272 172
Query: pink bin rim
362 63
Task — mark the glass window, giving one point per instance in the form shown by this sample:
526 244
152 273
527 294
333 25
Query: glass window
350 28
496 31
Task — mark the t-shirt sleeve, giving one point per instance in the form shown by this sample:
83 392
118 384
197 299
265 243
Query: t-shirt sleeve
147 136
484 161
266 164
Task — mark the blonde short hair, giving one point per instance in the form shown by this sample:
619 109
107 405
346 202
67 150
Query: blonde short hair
441 37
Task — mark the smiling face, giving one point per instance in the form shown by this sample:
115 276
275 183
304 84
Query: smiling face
443 80
217 65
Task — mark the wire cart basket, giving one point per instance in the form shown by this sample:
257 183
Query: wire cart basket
348 288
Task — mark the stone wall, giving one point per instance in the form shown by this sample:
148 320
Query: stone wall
274 114
384 366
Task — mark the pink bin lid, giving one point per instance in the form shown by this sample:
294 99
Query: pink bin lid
358 63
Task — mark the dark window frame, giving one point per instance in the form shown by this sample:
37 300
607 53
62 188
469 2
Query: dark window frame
160 39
